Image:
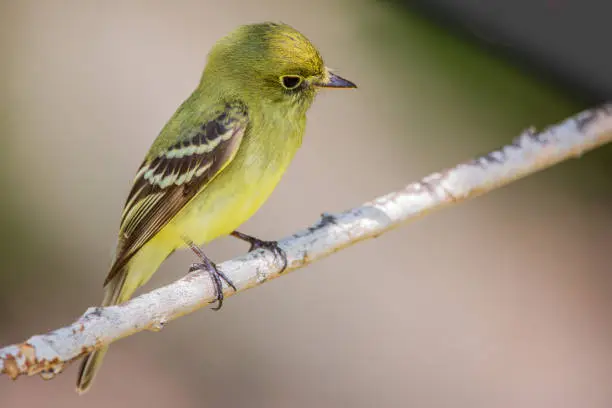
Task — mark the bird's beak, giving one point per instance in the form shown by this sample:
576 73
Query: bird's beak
335 81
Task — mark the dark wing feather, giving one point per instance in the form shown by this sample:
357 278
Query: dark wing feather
165 184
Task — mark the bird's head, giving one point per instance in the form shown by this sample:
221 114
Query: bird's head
271 63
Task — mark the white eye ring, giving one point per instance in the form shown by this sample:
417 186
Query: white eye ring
291 81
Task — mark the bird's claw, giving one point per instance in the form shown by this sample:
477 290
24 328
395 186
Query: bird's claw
257 243
216 276
271 246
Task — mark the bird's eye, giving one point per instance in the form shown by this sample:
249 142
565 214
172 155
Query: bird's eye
291 81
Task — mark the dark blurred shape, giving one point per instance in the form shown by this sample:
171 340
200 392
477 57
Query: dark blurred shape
562 40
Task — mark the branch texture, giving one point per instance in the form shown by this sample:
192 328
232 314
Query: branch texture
47 354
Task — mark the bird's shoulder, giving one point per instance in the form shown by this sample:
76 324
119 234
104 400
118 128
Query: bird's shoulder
194 119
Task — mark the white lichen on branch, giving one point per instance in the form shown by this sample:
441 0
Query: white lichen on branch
48 353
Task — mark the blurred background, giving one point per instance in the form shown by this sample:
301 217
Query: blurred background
503 301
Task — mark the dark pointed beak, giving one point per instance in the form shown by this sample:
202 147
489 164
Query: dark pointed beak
336 81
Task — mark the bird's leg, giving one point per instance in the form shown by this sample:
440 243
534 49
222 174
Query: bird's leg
215 274
258 243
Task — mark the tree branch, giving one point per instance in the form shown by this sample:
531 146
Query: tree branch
47 354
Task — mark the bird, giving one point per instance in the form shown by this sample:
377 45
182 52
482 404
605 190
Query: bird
218 158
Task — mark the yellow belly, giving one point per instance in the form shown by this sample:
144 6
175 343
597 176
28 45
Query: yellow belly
224 205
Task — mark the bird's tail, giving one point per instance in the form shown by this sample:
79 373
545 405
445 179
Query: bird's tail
114 293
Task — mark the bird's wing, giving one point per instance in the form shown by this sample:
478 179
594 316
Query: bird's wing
165 183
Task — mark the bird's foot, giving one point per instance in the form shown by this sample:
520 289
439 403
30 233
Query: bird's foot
215 274
256 243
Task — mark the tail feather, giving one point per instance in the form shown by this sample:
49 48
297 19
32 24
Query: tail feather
118 290
89 368
90 365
